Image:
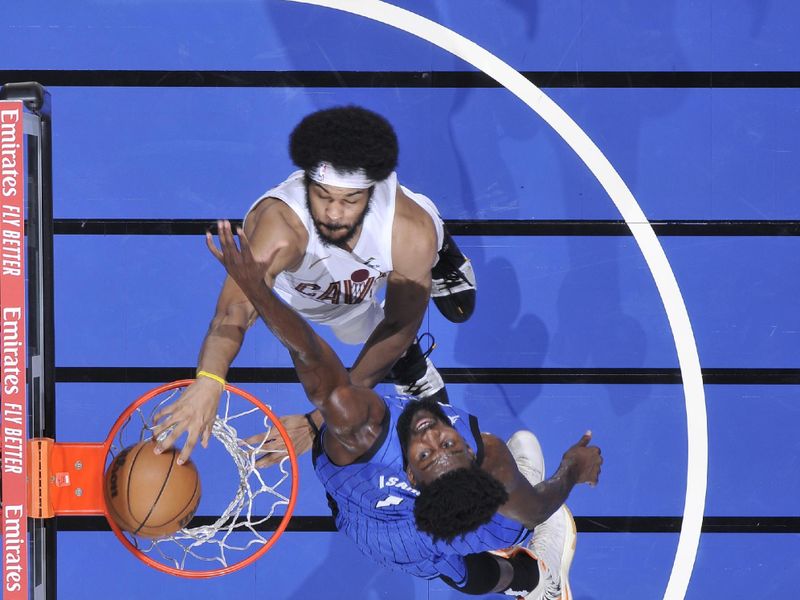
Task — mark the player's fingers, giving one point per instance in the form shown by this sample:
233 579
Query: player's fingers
244 243
169 441
160 419
259 439
253 440
212 247
186 451
270 459
585 439
222 253
226 239
206 436
264 462
156 432
595 479
595 475
222 236
165 412
162 429
244 246
230 237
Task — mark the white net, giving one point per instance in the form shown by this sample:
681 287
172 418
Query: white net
249 501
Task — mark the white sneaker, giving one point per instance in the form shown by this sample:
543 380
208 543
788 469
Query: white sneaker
527 453
553 544
413 373
429 384
453 282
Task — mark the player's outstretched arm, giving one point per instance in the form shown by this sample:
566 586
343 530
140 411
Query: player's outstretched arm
406 302
195 410
532 505
349 411
408 291
319 369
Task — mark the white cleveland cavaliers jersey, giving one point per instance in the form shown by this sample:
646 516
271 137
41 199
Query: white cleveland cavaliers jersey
332 285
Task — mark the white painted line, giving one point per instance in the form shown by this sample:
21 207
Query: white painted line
590 154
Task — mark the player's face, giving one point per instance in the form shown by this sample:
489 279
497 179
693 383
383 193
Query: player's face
434 448
338 213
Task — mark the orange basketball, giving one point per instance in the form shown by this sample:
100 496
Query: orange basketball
151 495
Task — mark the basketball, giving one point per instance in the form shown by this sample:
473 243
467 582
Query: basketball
151 495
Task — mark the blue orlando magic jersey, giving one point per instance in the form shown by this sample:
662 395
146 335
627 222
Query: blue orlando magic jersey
373 504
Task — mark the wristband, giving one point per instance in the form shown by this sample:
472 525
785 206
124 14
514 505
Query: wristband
216 378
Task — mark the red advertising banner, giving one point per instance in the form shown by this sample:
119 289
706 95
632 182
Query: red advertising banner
14 410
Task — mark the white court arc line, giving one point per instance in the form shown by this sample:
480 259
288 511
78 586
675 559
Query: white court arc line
585 148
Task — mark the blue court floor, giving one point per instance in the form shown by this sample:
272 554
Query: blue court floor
166 110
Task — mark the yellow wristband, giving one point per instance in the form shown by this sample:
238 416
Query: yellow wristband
216 378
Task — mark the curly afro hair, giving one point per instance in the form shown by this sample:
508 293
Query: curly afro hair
348 137
458 502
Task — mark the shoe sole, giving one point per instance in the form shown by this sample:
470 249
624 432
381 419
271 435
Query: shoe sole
569 552
456 311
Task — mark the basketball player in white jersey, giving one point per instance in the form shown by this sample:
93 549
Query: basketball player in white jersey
344 230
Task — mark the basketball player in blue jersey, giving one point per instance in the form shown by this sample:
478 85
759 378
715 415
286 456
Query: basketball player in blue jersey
415 483
341 228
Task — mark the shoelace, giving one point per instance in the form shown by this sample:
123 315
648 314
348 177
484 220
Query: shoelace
453 278
421 384
416 388
427 352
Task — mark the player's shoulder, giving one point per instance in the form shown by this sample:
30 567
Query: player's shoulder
412 224
267 208
408 213
272 216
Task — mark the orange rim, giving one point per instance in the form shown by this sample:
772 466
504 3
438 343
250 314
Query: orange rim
188 573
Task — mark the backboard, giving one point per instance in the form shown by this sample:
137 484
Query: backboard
26 296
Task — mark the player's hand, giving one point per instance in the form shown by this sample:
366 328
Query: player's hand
193 412
244 268
584 460
273 450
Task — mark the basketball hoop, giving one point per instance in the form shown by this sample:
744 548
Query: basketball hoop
67 479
